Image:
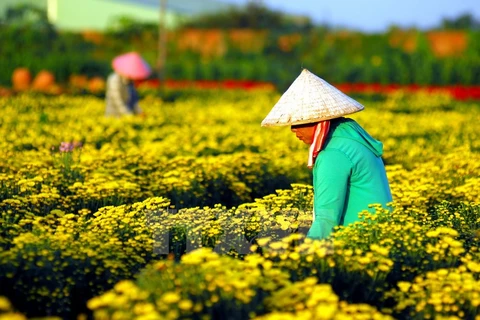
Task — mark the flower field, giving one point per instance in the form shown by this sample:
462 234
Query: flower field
196 212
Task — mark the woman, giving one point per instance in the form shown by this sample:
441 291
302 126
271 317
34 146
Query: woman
348 172
121 96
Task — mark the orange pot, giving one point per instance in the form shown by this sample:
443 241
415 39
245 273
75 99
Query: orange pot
21 79
78 81
43 81
96 84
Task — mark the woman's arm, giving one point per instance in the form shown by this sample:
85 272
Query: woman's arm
331 178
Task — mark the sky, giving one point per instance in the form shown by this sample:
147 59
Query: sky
375 15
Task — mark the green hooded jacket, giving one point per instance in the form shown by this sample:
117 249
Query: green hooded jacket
348 175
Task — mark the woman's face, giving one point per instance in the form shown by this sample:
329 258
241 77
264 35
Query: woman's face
304 132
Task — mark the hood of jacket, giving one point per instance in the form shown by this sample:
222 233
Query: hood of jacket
350 129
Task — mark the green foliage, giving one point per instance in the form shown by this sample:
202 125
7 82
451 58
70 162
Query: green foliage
29 40
254 15
463 22
25 15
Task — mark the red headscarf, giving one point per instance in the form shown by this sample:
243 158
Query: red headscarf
319 137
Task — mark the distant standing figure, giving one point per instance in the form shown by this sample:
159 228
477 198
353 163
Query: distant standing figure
121 95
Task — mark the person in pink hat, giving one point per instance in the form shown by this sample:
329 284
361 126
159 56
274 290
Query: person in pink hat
121 95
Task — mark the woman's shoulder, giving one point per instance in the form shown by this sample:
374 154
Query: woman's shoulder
343 121
113 76
114 79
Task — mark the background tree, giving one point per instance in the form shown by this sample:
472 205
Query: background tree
463 22
254 15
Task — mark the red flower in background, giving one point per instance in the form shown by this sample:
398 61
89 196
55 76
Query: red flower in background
457 92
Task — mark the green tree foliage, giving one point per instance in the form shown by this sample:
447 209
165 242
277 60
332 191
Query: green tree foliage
464 22
29 29
30 40
128 28
255 15
24 15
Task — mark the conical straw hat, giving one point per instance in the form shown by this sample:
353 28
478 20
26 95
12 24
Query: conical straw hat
132 66
310 99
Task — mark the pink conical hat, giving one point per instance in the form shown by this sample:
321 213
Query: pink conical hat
132 66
